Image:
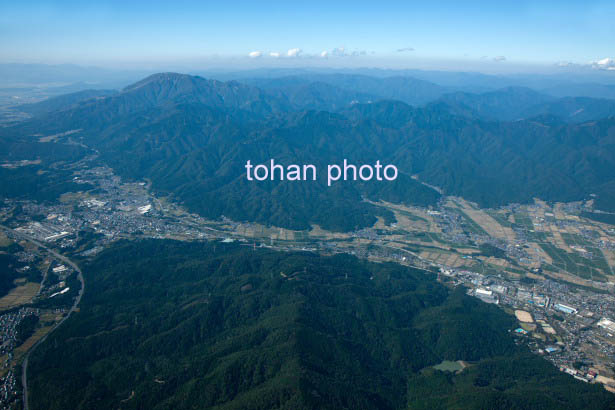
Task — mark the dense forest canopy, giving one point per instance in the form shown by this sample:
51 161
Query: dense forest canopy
170 325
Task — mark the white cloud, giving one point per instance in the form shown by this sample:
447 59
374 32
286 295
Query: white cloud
342 52
339 52
404 49
297 52
499 58
604 64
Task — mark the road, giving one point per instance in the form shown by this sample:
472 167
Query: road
24 365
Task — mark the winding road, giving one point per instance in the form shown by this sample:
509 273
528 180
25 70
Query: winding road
24 365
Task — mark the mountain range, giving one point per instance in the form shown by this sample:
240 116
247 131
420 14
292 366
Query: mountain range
192 137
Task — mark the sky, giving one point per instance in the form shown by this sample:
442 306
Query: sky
496 35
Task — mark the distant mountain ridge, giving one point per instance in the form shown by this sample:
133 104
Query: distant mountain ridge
182 88
334 92
516 103
406 89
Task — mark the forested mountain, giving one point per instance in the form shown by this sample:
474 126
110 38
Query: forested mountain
502 104
575 109
169 325
591 90
192 138
506 104
515 103
407 89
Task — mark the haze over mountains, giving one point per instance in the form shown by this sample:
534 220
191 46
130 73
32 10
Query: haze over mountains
23 83
192 137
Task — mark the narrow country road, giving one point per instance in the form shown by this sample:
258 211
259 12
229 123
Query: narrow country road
24 365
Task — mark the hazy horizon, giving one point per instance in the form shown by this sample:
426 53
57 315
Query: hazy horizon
552 37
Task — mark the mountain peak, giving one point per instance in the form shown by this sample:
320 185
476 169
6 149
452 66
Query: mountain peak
165 89
165 80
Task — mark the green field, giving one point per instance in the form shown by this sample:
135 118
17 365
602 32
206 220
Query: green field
500 218
576 264
472 226
523 220
449 366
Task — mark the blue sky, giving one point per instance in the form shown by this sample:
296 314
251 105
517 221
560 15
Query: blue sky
347 33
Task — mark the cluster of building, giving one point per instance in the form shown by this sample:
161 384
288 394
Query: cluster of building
8 340
9 391
117 210
8 330
572 327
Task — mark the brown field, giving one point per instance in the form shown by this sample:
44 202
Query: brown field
4 240
49 316
69 197
607 381
523 316
540 253
559 241
485 221
496 262
539 336
54 137
560 214
176 237
404 222
19 295
465 251
610 257
548 329
272 233
567 277
429 255
380 223
533 276
446 258
407 223
317 231
25 346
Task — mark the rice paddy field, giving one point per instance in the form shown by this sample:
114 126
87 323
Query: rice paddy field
19 295
563 246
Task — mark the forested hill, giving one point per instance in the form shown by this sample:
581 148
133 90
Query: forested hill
169 325
192 137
